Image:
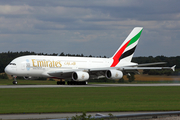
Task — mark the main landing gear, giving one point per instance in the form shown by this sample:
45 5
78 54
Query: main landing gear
72 83
77 83
15 81
61 82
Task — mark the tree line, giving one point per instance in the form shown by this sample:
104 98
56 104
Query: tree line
170 61
7 57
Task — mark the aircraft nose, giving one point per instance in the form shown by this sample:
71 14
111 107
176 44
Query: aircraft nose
8 70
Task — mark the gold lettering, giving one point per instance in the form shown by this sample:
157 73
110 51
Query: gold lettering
50 64
56 64
47 63
33 61
60 64
69 63
44 63
53 63
40 63
74 63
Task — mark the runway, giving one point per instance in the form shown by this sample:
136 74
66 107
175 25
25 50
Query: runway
56 116
64 116
89 85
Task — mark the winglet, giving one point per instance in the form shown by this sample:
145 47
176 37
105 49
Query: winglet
173 68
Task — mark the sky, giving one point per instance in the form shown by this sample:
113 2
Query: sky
89 27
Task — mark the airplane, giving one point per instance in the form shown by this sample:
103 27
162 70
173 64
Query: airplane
78 70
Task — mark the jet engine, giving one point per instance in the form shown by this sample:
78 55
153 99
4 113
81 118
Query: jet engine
80 76
30 78
114 74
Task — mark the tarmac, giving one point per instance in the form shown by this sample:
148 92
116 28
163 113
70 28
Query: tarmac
89 85
56 115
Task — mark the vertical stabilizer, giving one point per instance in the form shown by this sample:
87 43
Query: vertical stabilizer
126 50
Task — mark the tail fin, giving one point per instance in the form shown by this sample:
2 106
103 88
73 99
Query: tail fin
126 50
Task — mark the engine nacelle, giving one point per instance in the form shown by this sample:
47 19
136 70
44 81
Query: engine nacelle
30 78
114 74
80 76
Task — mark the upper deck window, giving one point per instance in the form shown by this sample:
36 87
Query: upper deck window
12 63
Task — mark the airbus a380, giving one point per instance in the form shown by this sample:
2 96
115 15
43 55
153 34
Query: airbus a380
78 70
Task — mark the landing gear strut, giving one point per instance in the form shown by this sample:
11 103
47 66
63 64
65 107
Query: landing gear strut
14 82
61 82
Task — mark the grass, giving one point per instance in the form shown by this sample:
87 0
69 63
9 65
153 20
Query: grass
157 78
50 100
27 82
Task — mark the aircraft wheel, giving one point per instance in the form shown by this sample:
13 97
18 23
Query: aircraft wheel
61 82
72 83
15 82
85 83
81 83
69 82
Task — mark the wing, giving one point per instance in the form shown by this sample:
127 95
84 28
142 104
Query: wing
100 72
126 70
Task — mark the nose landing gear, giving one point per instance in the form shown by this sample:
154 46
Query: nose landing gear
14 82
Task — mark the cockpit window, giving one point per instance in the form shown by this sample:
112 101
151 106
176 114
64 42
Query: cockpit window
12 63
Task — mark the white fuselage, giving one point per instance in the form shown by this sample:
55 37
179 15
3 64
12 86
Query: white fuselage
38 66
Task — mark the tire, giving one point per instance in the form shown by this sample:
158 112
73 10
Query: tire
15 82
58 83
